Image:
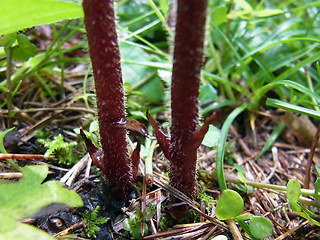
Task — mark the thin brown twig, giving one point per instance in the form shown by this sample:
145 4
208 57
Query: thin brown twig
22 156
310 158
10 175
71 229
289 232
75 109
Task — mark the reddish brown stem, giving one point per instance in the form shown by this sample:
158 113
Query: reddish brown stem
188 56
104 52
310 158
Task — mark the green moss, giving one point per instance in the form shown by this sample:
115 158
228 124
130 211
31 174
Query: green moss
93 222
61 149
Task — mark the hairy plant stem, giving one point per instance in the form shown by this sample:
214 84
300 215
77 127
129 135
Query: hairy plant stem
104 51
188 59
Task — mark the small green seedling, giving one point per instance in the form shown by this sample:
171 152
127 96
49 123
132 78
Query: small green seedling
230 205
293 195
134 222
22 48
93 222
241 175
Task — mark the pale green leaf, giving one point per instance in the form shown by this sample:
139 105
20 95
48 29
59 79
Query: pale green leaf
293 190
30 196
244 5
12 229
260 227
21 14
229 205
219 15
267 12
212 137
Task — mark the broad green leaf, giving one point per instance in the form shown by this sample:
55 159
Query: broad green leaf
10 228
207 93
141 77
229 205
17 15
219 15
25 49
28 196
260 227
293 190
8 40
212 137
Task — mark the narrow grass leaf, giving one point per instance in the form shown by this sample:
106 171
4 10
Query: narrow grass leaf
273 137
274 43
299 210
291 107
255 99
309 60
222 142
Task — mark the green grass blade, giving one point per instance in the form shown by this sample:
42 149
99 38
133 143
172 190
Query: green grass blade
255 99
314 57
161 17
291 107
265 47
214 77
222 142
273 137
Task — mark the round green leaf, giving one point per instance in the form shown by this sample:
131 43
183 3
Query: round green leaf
293 190
260 227
229 205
